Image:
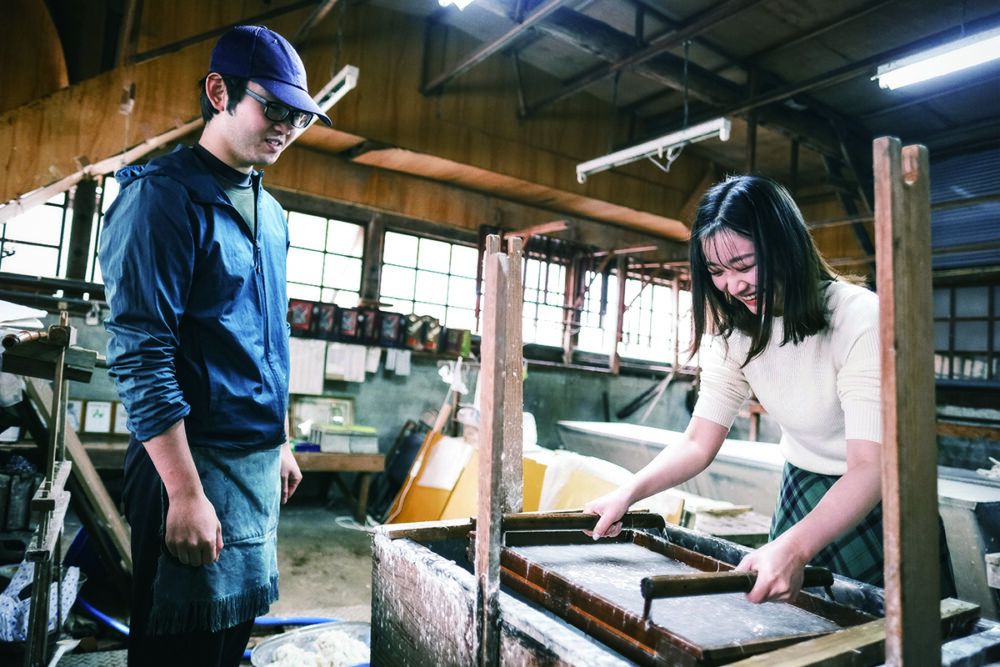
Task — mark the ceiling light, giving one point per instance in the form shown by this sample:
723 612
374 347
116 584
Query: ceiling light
958 55
461 4
658 147
346 79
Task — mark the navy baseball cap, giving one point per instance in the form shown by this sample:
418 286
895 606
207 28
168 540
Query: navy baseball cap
269 60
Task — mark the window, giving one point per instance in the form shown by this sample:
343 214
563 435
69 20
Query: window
649 331
544 284
32 243
430 277
325 259
967 333
108 191
37 242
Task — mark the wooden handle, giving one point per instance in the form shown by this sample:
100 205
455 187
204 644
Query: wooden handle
575 521
707 583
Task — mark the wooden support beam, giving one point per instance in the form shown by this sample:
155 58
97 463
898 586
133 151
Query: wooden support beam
492 384
512 499
613 356
24 203
909 443
318 14
544 228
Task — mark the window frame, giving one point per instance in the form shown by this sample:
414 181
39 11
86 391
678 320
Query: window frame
422 234
946 358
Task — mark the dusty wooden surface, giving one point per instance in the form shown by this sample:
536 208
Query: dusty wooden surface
423 614
861 645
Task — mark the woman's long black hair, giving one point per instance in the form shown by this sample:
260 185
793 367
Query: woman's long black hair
789 266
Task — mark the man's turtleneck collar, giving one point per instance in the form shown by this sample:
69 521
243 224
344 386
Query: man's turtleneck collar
220 168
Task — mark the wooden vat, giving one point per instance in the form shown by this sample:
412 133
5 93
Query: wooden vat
596 588
424 600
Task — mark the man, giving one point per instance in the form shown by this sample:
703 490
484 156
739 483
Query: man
193 255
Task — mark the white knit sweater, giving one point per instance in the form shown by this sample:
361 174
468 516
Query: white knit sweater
822 392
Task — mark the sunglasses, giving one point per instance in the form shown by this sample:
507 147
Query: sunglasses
279 113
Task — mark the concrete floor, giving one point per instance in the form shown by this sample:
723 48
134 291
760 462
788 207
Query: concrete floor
324 560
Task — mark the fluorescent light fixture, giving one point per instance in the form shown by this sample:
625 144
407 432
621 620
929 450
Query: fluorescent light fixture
958 55
461 4
346 80
718 127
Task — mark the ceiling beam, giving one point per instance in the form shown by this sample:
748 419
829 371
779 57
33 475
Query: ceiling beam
258 19
602 41
320 12
690 29
496 46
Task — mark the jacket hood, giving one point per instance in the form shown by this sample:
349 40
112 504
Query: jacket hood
183 165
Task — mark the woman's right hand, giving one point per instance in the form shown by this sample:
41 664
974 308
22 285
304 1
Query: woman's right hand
611 507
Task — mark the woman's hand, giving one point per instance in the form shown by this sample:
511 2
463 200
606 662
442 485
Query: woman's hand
611 508
779 571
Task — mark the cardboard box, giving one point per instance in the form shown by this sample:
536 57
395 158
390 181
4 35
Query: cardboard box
344 438
364 443
330 438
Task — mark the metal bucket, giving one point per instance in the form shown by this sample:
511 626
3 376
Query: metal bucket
264 654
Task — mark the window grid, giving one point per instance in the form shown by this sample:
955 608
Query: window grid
324 259
24 244
430 277
967 333
544 307
648 330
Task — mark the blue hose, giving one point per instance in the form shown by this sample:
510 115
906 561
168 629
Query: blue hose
293 620
260 620
110 622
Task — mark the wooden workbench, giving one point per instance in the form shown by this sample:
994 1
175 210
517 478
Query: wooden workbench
336 462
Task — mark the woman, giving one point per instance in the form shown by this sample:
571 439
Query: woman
783 326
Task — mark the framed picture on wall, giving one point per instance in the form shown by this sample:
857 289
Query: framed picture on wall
118 424
309 410
97 417
349 329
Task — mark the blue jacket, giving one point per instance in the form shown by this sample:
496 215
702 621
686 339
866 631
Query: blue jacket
198 306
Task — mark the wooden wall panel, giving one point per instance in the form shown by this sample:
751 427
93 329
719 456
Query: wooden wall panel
32 57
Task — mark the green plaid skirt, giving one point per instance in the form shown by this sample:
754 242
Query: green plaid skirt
859 553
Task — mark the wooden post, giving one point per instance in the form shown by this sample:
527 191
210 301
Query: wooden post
909 447
512 499
613 357
492 381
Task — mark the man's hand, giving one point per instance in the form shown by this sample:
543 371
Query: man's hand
290 473
194 534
